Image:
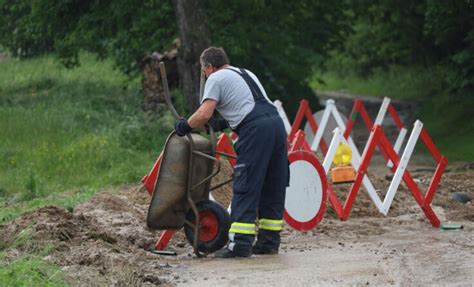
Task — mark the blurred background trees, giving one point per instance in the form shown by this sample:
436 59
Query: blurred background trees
279 40
284 42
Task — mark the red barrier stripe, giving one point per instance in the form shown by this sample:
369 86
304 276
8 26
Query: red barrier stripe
395 116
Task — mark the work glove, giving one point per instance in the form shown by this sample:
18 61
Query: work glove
182 127
218 124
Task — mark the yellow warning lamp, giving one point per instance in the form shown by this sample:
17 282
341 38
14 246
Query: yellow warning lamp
343 172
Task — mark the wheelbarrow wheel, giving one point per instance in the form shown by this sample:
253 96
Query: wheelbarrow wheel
215 223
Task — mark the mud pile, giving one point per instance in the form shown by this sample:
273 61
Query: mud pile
103 241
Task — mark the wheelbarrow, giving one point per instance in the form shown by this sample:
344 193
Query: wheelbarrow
181 195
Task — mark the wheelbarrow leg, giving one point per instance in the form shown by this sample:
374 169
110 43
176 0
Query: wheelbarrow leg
164 239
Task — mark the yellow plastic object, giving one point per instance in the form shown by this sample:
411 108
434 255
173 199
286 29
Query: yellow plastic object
343 155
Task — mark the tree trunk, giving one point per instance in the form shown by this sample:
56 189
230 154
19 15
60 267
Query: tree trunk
153 93
194 38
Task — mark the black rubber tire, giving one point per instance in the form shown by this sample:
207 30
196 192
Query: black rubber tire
223 219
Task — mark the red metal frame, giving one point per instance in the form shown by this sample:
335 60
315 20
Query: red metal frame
305 111
357 108
299 143
149 180
165 238
224 145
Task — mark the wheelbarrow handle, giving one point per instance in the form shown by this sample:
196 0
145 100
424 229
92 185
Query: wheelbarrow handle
164 81
202 82
166 89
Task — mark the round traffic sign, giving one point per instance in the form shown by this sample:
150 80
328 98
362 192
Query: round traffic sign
306 195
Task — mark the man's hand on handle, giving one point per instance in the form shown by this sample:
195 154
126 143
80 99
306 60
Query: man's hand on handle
182 127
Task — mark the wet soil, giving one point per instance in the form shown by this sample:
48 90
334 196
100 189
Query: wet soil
105 241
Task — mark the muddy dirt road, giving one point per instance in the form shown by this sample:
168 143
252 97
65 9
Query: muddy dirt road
399 252
104 241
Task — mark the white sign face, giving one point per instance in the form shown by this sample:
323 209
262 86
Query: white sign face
305 193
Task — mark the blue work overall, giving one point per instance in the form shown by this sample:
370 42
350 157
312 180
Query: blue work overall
261 176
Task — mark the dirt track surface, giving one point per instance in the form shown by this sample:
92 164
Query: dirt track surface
105 241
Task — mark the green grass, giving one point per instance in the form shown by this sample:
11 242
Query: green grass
28 269
64 136
452 132
74 130
413 83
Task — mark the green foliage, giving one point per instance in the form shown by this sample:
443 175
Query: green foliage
396 82
421 33
384 33
125 30
70 130
452 132
278 40
19 29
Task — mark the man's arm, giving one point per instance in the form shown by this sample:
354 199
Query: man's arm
203 114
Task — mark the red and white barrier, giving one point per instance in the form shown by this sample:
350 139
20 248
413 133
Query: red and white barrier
344 210
361 162
386 106
331 110
378 138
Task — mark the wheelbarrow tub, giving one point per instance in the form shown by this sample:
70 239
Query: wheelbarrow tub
169 204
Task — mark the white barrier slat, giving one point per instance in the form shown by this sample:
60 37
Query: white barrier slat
279 105
322 126
336 139
398 144
397 178
382 111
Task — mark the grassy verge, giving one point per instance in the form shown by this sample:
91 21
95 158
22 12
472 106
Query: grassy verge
445 114
29 271
27 267
70 130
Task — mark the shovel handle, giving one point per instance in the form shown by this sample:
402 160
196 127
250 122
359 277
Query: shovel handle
166 89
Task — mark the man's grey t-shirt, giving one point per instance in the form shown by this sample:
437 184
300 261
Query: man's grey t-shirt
233 95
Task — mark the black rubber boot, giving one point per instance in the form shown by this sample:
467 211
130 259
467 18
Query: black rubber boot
261 250
226 253
268 242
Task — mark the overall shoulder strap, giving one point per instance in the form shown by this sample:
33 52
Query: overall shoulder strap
256 92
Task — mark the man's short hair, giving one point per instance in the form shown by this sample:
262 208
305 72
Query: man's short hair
214 56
